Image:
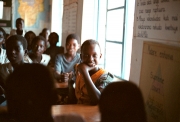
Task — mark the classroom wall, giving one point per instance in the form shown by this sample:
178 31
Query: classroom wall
163 36
156 33
79 16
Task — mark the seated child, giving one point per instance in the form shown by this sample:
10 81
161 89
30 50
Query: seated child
38 48
30 93
90 79
53 50
16 48
19 28
30 35
64 67
45 33
64 63
122 102
2 41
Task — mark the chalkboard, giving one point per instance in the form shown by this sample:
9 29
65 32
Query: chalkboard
157 19
160 82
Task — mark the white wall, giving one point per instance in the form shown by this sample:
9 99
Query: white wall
89 20
56 18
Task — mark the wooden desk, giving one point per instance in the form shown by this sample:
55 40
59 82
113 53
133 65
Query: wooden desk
89 113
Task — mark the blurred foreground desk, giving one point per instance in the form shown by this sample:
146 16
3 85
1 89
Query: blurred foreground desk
89 113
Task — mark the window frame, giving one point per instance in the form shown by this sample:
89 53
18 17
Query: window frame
117 42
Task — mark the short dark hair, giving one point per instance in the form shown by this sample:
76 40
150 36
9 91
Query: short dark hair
72 36
27 87
4 33
54 33
124 101
19 19
37 38
29 32
90 42
44 29
17 38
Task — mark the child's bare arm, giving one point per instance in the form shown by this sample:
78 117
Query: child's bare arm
62 77
93 92
57 75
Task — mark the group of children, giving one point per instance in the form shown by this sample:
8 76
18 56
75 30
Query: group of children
82 69
72 67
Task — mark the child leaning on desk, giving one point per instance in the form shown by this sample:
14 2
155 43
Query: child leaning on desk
64 63
90 79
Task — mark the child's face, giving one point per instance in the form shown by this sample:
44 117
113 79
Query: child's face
46 34
20 25
53 39
29 38
1 38
15 52
72 46
39 47
91 55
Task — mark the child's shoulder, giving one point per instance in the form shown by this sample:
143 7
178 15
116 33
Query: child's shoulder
107 75
6 66
45 59
105 78
60 56
5 70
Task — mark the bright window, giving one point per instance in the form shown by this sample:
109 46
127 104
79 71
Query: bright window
115 32
114 36
114 25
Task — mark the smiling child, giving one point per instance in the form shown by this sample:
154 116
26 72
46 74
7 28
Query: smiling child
38 48
90 79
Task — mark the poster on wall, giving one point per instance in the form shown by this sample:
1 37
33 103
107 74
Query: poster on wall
36 13
70 18
157 19
159 82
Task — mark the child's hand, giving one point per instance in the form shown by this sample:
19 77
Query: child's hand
64 77
82 67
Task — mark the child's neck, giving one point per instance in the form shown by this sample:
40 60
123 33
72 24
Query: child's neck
69 57
16 64
36 59
19 32
52 46
94 71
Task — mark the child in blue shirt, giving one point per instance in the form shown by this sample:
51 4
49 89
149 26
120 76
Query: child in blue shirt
64 63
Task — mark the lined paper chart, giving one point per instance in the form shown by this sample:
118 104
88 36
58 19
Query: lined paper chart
157 19
70 18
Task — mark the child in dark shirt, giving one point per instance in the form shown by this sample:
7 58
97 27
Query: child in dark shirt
30 93
30 35
53 50
16 49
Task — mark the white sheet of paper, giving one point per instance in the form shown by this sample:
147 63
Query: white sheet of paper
1 9
7 13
